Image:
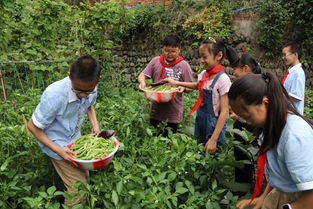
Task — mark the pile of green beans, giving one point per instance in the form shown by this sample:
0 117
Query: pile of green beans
161 88
92 147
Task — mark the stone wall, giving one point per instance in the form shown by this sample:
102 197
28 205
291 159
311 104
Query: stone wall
134 56
136 2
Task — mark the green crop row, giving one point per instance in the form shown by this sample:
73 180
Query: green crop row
147 171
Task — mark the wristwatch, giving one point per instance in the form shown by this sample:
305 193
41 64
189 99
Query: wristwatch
287 206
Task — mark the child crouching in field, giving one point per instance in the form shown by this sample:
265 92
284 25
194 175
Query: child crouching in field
287 153
213 85
58 118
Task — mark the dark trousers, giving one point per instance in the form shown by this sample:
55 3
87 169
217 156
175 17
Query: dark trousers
172 126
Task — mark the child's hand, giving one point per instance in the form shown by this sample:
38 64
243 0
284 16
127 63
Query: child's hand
170 81
142 85
66 153
181 89
234 116
210 146
257 202
95 130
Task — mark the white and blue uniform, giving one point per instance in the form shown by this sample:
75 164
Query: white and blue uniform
295 86
290 164
60 114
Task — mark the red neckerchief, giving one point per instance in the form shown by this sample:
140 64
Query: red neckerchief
285 76
162 61
259 176
201 84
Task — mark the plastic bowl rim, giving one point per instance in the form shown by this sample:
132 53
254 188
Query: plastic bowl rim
153 91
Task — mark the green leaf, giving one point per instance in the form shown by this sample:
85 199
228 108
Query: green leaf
43 194
114 198
161 176
190 187
5 164
149 132
51 190
214 185
58 193
172 176
119 187
181 190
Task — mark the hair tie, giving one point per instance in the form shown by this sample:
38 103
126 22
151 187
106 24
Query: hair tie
212 39
266 78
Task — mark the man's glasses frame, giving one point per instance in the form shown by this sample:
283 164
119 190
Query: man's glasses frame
287 54
79 91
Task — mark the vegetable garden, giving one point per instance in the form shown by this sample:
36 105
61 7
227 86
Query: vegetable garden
148 171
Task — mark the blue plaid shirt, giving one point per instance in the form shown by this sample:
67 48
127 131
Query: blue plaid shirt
60 114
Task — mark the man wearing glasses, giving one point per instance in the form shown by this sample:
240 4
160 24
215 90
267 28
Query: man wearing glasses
168 64
59 116
294 77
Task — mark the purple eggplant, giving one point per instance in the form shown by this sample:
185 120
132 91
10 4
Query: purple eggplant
106 134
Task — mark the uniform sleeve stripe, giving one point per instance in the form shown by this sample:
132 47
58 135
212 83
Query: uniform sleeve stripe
305 186
37 123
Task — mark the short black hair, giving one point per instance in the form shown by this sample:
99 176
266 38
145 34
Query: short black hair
86 69
172 40
295 47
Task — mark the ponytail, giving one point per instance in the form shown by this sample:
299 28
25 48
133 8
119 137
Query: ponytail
256 68
232 56
250 89
279 104
247 59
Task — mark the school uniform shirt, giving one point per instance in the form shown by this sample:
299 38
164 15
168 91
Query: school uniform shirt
220 88
60 114
295 86
289 165
169 111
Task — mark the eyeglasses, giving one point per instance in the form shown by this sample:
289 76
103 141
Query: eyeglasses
287 54
79 91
